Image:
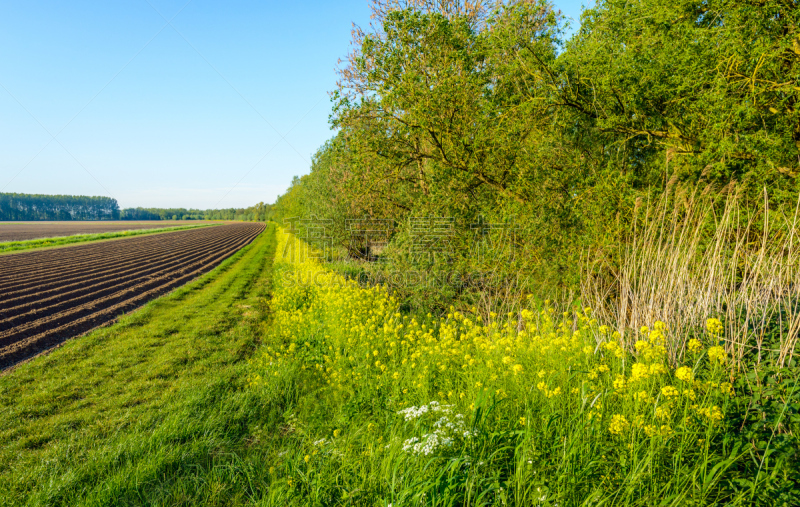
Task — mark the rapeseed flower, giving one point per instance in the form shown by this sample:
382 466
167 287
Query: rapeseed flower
685 374
619 424
717 354
694 345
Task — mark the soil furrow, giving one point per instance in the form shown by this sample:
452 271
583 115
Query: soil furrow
43 288
65 319
97 257
20 315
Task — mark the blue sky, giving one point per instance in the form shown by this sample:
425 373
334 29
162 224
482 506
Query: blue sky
218 108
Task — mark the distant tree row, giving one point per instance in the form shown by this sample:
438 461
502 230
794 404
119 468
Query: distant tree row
253 213
57 207
80 207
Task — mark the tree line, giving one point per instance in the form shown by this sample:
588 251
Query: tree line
32 207
257 213
15 206
488 113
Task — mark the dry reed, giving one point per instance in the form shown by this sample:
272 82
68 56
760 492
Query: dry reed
688 260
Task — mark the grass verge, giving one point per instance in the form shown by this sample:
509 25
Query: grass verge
150 411
16 246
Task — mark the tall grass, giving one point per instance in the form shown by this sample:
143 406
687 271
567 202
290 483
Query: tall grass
688 259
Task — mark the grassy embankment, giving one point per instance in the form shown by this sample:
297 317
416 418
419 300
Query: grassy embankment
150 411
16 246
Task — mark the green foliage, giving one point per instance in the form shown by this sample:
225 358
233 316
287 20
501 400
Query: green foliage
257 213
499 118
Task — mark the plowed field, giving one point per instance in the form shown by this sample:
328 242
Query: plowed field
24 231
50 296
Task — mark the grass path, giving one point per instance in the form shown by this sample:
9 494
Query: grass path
7 247
152 410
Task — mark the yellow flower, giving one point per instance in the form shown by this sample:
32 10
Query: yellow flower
713 414
714 327
307 458
517 369
670 391
639 371
522 421
619 424
694 345
717 354
684 373
336 433
619 383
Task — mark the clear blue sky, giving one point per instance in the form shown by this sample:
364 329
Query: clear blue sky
220 108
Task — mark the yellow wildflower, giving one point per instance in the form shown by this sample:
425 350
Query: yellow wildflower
669 391
619 424
717 354
684 373
713 414
619 383
694 345
714 327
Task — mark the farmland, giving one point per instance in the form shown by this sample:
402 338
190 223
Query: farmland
52 295
139 412
24 231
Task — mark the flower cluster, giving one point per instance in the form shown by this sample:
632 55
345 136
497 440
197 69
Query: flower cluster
446 430
358 343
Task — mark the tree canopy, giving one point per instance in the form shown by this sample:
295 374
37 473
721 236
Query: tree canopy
488 112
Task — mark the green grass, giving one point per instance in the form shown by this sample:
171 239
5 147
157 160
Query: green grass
16 246
149 411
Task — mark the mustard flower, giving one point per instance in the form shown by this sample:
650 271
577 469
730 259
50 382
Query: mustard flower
717 354
670 391
714 327
685 374
619 424
694 345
